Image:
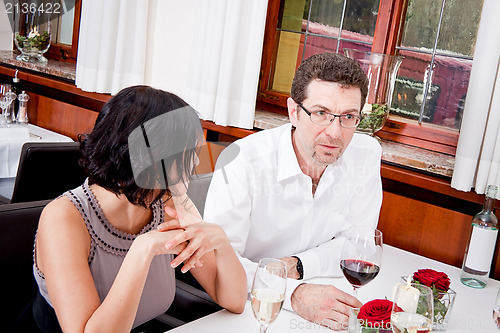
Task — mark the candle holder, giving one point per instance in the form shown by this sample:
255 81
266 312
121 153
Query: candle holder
443 303
381 70
32 35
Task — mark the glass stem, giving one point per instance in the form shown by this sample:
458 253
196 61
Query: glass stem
263 328
355 291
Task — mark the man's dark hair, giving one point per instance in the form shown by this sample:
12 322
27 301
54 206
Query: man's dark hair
331 67
105 151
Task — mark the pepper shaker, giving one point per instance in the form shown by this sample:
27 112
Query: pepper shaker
22 115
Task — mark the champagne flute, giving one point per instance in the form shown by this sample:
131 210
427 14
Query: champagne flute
268 291
413 309
361 256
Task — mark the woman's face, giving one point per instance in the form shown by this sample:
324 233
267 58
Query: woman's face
181 184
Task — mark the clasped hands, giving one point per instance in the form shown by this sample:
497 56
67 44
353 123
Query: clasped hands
318 303
192 238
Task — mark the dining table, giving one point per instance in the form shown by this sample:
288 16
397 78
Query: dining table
12 139
472 310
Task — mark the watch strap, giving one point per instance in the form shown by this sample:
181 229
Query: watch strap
300 268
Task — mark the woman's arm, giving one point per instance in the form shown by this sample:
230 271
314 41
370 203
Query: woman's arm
62 249
221 273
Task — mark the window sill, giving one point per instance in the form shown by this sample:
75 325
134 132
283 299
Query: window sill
63 70
392 152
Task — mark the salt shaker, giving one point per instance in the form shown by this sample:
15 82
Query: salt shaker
22 115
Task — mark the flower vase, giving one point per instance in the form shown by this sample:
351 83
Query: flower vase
443 303
381 70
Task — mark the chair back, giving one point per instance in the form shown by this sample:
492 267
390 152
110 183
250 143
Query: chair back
18 225
46 170
197 190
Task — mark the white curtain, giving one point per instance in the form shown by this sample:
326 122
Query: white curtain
226 57
112 44
206 51
477 162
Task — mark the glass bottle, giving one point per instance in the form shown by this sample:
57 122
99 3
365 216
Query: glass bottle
479 252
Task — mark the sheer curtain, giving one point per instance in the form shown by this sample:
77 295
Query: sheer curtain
226 57
477 162
206 51
112 44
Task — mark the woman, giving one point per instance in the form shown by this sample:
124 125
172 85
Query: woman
101 260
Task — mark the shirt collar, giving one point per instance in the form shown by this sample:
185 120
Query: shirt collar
288 166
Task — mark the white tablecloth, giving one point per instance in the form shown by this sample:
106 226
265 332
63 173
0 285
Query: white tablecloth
472 311
10 150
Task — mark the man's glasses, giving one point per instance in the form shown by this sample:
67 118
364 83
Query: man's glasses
323 118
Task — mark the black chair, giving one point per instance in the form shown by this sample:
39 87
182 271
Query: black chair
18 224
46 170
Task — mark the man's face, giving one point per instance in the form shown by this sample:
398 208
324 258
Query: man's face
318 144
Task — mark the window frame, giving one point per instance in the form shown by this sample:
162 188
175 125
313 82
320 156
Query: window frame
64 52
388 32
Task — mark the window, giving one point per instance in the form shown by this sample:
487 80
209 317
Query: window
64 32
436 38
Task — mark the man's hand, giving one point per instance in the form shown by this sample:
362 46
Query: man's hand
324 304
291 267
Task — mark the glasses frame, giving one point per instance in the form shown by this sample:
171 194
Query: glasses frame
340 116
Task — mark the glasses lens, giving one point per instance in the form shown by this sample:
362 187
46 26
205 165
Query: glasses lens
321 118
349 121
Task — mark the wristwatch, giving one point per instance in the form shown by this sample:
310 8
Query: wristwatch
300 268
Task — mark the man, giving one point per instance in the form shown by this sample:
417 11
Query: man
291 191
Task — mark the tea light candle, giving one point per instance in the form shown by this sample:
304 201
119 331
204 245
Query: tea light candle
407 297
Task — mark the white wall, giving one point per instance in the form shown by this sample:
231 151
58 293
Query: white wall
6 32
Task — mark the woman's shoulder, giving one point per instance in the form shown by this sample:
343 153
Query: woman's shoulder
61 215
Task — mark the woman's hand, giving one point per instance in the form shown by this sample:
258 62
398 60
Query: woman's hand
156 241
202 237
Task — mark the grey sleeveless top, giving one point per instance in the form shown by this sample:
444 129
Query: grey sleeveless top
108 249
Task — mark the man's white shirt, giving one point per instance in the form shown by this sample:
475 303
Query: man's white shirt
264 202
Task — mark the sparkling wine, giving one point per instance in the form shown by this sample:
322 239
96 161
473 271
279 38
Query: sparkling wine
404 322
359 272
496 316
266 304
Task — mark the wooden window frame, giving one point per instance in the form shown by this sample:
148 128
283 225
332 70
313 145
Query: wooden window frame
389 26
64 52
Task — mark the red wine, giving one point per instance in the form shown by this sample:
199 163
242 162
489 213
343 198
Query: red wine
359 272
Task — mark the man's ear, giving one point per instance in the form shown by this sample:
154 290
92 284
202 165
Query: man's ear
292 111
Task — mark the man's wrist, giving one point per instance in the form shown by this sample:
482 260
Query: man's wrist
299 267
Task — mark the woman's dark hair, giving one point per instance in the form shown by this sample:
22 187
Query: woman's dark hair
105 151
331 67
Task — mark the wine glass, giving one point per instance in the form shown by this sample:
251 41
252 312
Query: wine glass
496 310
6 98
413 309
361 256
268 291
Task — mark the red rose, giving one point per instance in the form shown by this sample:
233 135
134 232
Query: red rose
376 313
430 277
